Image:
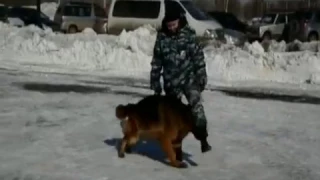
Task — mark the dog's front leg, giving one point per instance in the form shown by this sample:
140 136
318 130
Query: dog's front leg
123 146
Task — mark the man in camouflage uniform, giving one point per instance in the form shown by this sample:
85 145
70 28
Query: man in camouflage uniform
181 58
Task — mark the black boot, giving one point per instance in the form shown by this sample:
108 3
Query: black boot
205 146
201 134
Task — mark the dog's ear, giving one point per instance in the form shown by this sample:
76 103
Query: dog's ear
121 111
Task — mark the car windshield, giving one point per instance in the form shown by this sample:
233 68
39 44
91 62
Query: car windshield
268 18
194 11
304 15
230 18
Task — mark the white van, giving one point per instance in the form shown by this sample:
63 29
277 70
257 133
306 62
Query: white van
131 14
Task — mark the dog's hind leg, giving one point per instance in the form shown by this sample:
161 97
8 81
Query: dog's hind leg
177 145
168 148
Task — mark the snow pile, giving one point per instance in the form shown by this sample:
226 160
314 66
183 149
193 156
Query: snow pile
252 63
255 48
277 47
25 40
305 46
89 31
90 52
48 8
141 40
15 21
130 54
91 55
274 46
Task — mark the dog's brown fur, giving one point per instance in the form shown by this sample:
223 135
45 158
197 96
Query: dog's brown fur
163 118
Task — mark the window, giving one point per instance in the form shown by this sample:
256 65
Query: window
281 19
290 17
307 15
268 18
137 9
317 16
194 11
82 11
98 11
229 18
14 13
301 15
173 5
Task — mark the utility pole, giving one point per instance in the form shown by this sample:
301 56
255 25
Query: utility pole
38 6
38 11
227 5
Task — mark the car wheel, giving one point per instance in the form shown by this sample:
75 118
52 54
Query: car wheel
313 37
72 29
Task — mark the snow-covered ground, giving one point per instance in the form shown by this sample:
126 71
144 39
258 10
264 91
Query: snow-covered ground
58 126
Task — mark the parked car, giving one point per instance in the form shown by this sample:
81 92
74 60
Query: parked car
253 21
3 13
128 15
304 26
76 16
270 27
229 21
30 16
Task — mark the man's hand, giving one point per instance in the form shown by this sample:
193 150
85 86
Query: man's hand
156 87
202 83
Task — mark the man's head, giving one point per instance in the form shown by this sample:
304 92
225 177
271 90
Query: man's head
173 25
171 21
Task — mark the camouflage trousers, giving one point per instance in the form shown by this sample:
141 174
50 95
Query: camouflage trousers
193 96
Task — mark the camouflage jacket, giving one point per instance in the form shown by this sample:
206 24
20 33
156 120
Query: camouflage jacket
181 58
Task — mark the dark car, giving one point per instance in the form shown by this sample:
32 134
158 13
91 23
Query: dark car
30 16
3 13
229 21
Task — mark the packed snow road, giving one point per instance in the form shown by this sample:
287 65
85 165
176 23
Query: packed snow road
55 126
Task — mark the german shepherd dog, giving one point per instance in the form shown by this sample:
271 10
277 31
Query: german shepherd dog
162 118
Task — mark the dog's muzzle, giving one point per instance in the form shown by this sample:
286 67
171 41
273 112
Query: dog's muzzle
123 123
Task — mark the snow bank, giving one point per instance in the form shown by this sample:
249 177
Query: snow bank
130 54
141 40
48 8
252 63
89 31
86 50
274 46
